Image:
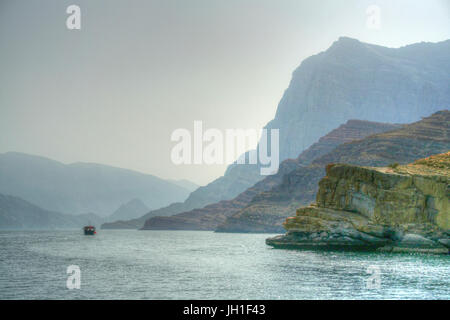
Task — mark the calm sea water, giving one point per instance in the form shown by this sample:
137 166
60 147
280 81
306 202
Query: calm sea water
205 265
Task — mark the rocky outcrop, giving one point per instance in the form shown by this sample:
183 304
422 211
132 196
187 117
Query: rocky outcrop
211 216
268 210
401 208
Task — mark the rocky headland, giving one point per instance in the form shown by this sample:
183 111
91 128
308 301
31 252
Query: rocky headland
399 208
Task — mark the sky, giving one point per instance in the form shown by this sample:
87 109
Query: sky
115 90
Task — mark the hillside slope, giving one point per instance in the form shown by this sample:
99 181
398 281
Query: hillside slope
132 209
81 187
18 214
267 210
209 217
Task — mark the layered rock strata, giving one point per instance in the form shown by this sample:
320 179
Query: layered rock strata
401 208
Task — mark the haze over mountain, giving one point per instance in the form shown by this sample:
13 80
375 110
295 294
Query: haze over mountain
350 80
186 184
356 80
132 209
212 215
237 179
79 188
18 214
138 72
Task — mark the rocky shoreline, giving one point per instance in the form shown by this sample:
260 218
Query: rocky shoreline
401 208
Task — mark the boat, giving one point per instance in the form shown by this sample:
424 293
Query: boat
89 230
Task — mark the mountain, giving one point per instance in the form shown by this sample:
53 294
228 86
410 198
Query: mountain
350 80
81 187
268 210
356 80
186 184
17 214
400 208
132 209
209 217
236 179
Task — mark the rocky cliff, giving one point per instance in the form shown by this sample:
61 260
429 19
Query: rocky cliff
398 208
267 211
356 80
209 217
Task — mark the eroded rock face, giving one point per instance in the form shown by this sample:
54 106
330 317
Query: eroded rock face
399 208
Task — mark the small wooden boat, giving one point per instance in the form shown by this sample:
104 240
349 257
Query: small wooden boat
89 230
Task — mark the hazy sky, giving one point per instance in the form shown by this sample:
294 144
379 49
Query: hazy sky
114 91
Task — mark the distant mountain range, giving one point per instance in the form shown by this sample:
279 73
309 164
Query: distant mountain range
237 179
79 188
186 184
132 209
18 214
350 80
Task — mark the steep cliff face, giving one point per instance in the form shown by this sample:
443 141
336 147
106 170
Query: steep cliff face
397 208
209 217
269 209
356 80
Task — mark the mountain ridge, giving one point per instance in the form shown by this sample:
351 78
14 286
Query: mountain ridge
81 187
19 214
208 217
267 210
363 81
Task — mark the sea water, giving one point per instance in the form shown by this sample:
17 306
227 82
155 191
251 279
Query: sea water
131 264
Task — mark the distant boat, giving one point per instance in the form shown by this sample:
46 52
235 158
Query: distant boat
89 230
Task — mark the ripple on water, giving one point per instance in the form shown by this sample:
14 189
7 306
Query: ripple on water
132 264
